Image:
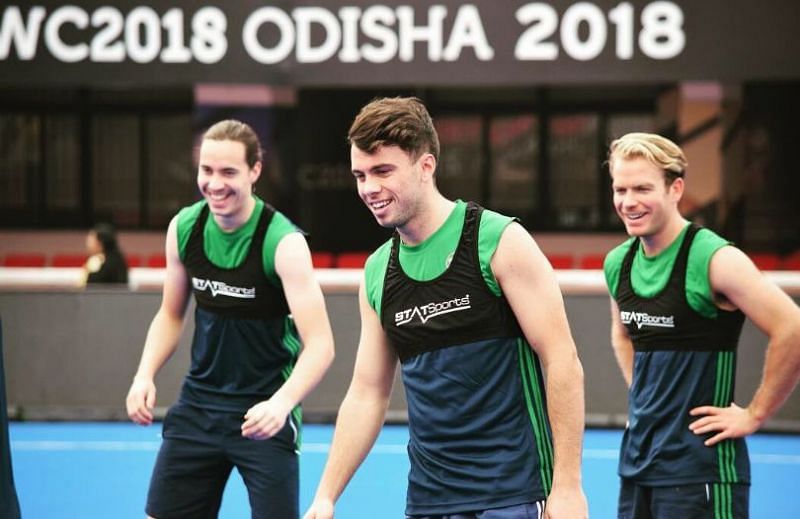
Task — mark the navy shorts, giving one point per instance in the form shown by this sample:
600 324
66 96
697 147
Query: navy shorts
696 501
199 450
523 511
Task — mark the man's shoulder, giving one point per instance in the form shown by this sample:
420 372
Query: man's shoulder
190 213
492 226
184 221
614 256
379 258
492 217
374 271
706 243
707 238
282 223
612 265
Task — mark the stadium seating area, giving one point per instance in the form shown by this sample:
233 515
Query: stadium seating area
356 259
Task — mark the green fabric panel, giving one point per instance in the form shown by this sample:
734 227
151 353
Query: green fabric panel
723 385
229 249
186 219
291 341
277 230
430 258
650 274
374 271
536 412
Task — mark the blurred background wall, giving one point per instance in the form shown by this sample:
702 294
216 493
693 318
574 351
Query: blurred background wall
101 107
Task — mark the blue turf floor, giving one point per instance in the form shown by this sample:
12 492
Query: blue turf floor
102 470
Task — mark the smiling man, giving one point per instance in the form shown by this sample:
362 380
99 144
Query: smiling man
680 295
464 299
262 342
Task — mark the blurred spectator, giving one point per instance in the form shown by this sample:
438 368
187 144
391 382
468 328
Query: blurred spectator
106 264
9 504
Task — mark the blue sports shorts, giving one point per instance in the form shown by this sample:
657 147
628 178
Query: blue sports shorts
694 501
200 448
524 511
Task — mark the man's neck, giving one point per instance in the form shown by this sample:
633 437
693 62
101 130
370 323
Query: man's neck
236 220
655 244
430 217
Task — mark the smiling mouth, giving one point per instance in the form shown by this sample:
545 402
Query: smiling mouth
379 205
634 216
217 197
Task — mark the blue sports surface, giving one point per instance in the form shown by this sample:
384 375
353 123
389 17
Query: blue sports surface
102 470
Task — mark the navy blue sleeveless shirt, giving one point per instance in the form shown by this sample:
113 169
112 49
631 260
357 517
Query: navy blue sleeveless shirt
479 433
682 360
239 351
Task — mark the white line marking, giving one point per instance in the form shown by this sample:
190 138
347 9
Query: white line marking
316 448
58 445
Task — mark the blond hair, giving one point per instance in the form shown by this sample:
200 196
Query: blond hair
657 150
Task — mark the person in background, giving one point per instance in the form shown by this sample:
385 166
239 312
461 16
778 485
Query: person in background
262 341
106 263
679 296
9 503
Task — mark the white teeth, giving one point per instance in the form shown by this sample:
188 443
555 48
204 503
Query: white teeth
379 205
634 216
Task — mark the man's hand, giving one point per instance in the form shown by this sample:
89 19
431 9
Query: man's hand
265 419
563 503
728 422
320 509
141 400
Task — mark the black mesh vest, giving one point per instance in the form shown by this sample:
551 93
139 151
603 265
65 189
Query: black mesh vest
242 292
666 321
454 308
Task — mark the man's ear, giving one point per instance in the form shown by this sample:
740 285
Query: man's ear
428 164
676 188
255 172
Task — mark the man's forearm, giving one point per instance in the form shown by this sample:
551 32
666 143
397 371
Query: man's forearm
313 363
565 406
357 426
781 373
162 341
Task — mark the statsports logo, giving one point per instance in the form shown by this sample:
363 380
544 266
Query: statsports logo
428 311
641 319
223 289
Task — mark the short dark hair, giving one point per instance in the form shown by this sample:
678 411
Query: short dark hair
395 121
233 130
107 236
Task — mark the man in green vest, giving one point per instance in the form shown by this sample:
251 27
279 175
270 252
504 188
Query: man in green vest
680 294
249 270
468 304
